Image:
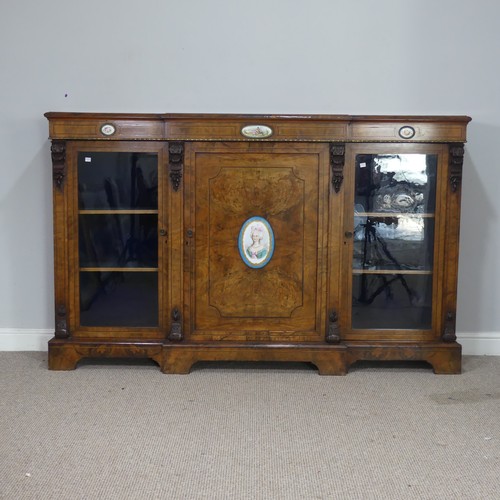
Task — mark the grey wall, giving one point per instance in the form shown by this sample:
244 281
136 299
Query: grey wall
269 56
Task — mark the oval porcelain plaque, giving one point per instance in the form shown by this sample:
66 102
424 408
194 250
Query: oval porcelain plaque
257 131
256 242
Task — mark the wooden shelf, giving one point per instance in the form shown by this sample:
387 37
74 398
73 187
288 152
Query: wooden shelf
119 269
393 214
118 212
391 271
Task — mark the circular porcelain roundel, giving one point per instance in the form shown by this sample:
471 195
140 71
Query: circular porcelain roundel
406 132
256 242
108 129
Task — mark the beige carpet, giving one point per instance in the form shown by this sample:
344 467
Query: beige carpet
245 431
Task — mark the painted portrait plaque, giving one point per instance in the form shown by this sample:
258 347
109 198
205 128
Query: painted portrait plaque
256 242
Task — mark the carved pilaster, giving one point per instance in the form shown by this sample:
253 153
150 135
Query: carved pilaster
176 327
337 160
62 331
58 151
176 163
449 334
333 332
456 164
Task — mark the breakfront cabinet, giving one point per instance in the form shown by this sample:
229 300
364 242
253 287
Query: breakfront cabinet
322 239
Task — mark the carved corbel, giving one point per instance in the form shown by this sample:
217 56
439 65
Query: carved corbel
58 152
176 163
449 334
337 160
62 331
456 164
333 331
176 326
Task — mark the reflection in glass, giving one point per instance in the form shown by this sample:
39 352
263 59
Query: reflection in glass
126 299
404 183
118 180
395 200
392 301
403 242
112 240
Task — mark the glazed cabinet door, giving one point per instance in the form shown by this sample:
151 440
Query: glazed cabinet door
394 249
256 242
117 239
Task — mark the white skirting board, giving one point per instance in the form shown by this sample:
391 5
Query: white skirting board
24 339
31 339
480 344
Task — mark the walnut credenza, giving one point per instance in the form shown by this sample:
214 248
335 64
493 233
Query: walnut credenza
322 239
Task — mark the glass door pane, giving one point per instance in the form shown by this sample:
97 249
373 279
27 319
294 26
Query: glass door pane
393 247
118 238
118 181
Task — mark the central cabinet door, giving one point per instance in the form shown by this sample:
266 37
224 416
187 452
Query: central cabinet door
256 245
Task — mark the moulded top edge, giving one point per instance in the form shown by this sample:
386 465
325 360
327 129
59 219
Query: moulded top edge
89 115
193 116
216 116
415 118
